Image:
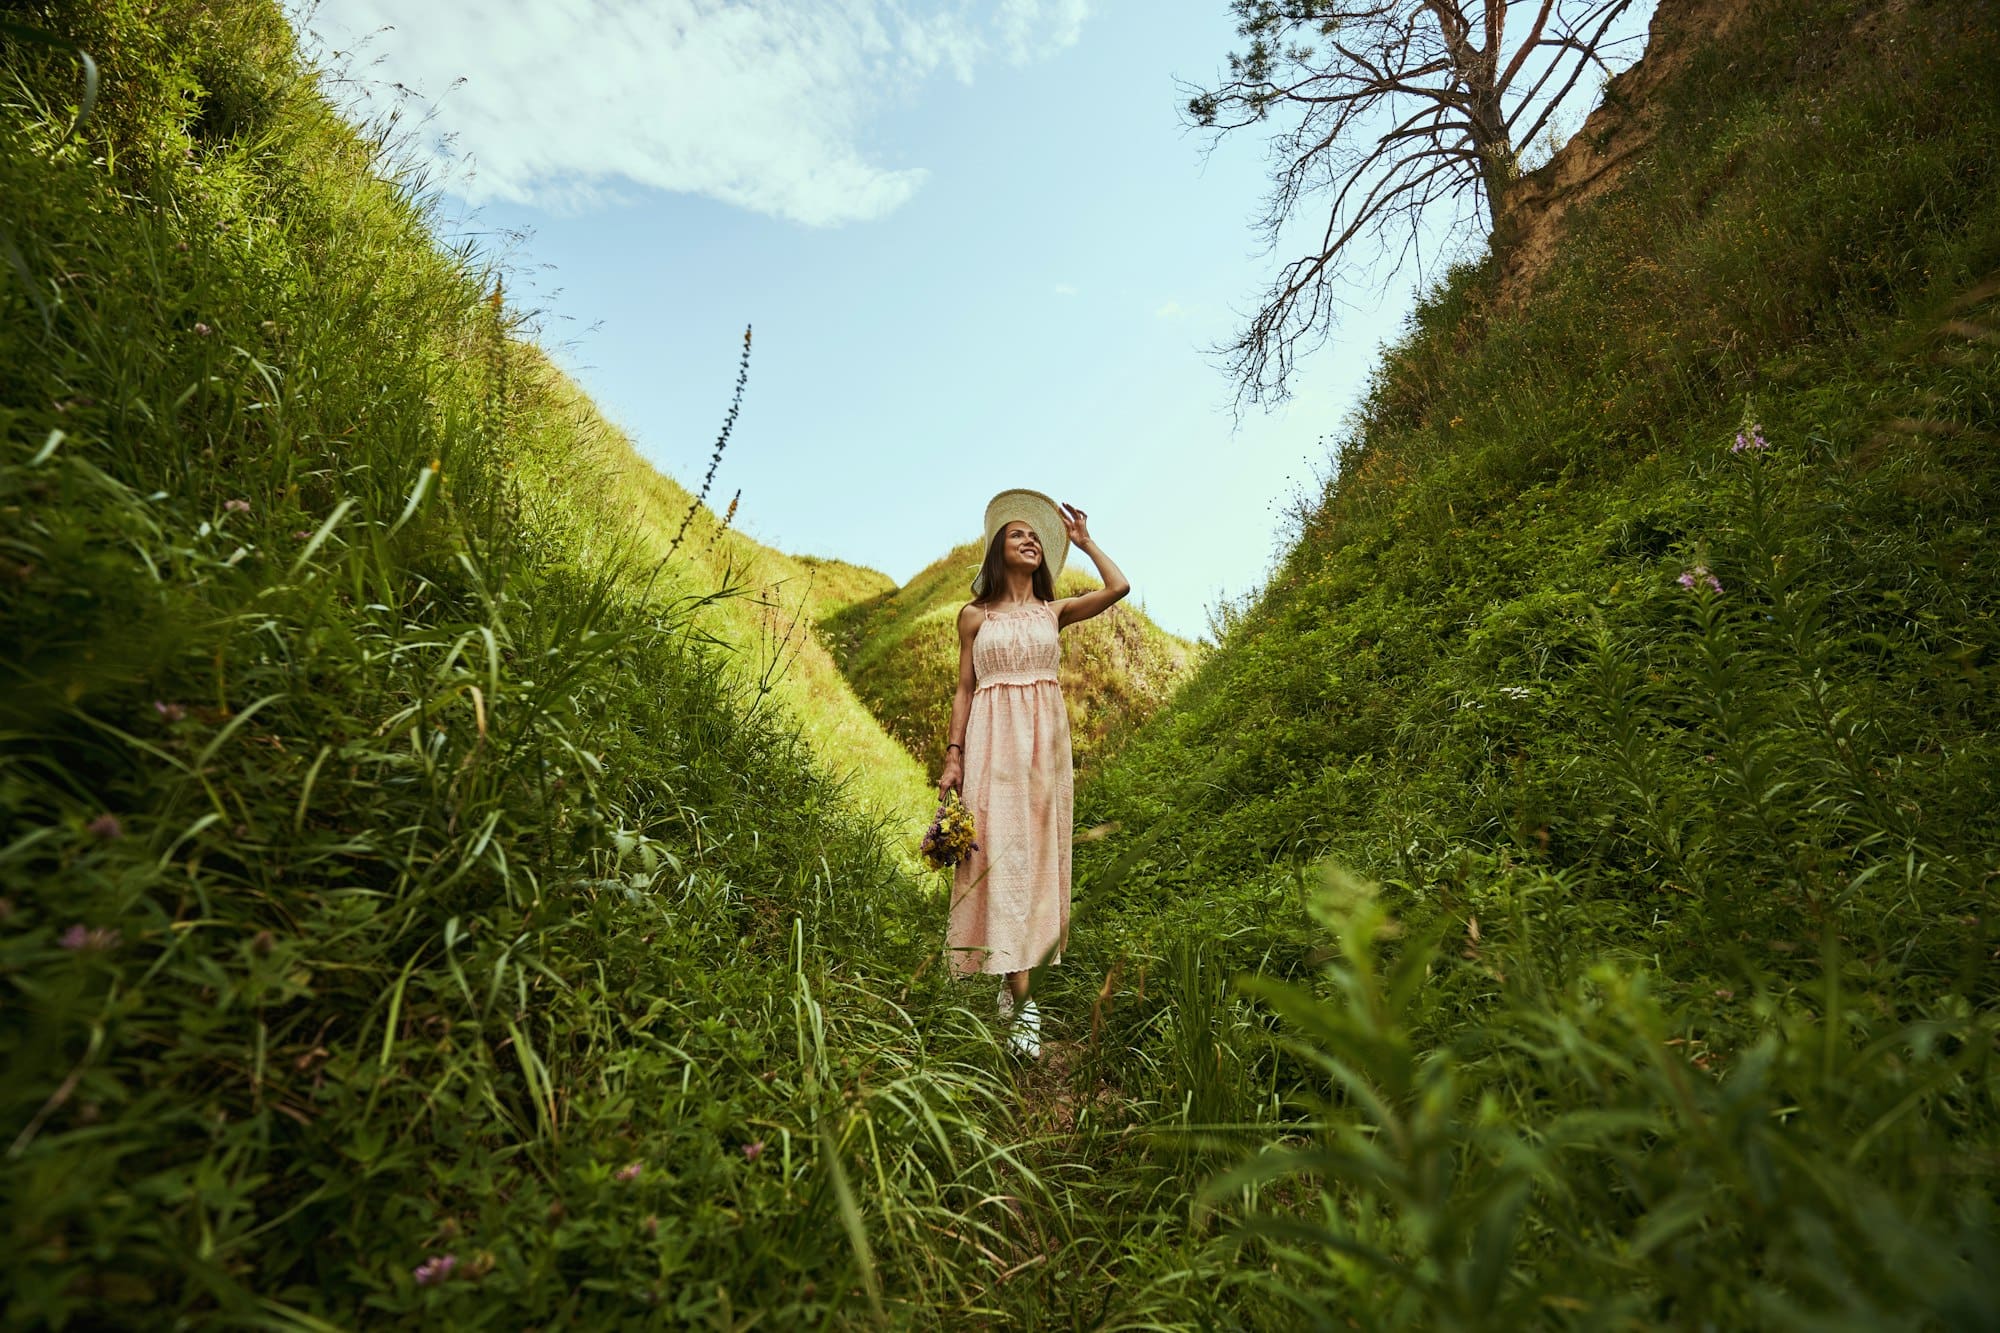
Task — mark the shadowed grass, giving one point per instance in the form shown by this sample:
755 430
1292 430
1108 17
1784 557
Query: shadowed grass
1674 758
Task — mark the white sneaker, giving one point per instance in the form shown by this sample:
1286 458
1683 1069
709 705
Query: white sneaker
1026 1037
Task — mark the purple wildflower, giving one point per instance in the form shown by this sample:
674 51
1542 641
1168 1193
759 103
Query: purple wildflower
754 1149
202 330
1697 577
1750 440
80 938
435 1269
105 827
171 712
630 1171
237 506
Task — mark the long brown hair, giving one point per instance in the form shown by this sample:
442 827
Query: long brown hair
992 571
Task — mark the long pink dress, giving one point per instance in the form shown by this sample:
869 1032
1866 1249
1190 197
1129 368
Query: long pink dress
1010 899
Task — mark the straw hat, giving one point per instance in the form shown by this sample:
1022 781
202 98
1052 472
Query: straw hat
1038 512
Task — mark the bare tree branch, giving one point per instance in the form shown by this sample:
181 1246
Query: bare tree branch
1383 111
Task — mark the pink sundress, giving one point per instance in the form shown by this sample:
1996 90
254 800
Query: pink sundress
1010 899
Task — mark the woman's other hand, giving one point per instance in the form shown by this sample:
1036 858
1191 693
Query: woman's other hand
1076 524
953 776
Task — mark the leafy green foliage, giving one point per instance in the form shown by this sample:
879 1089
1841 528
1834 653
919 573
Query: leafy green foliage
1556 1159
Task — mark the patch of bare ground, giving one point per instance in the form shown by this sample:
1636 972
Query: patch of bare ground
1058 1087
1614 135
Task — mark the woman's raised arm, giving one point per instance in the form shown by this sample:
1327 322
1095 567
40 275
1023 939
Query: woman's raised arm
1099 600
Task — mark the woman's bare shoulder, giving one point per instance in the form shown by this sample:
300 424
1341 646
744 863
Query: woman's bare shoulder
970 617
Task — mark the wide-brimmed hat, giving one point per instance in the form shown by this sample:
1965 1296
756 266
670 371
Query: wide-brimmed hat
1038 512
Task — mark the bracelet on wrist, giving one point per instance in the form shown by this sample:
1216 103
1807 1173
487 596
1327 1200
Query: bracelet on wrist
954 745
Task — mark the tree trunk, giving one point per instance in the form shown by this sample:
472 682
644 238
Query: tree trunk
1498 178
1499 165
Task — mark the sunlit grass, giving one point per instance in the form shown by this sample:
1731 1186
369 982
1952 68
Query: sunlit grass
591 481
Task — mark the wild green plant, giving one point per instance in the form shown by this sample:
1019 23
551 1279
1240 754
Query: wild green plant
715 458
1563 1160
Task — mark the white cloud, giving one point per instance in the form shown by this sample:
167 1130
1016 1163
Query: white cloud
1035 28
1171 310
1064 289
757 103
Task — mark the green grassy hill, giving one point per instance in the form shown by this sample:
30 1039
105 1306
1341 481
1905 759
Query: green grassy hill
899 649
418 903
581 478
1643 653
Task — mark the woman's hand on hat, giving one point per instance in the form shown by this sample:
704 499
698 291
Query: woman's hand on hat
1074 523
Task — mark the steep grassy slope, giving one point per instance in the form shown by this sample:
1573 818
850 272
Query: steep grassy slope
582 479
1645 651
404 920
900 651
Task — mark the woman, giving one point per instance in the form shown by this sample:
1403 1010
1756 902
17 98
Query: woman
1008 748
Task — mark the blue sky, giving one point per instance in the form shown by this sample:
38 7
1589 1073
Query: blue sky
979 246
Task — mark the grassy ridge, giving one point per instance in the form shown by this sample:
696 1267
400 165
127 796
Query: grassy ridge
899 648
584 480
1673 762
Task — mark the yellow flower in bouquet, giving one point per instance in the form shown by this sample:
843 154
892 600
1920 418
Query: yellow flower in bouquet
949 839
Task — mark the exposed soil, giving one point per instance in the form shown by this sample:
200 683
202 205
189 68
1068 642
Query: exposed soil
1616 132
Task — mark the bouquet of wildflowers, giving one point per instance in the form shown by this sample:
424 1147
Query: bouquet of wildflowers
949 839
